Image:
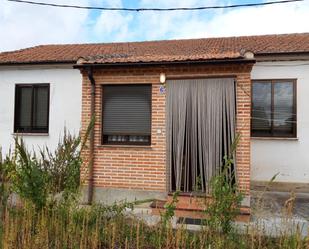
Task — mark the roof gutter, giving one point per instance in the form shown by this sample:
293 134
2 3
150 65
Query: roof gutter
34 63
91 136
188 62
282 56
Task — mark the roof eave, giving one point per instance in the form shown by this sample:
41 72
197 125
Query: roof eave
156 63
282 56
37 63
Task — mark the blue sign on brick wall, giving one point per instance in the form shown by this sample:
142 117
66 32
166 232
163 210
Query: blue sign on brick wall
162 89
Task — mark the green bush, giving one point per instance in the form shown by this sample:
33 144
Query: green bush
63 166
170 208
6 169
30 179
48 177
5 188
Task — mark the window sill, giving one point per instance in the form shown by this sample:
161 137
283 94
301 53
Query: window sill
190 194
124 146
276 138
30 134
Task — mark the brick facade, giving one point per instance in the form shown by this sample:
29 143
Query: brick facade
144 167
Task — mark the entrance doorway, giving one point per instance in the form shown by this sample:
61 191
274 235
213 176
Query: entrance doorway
200 130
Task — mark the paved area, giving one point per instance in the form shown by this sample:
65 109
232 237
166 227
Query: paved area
280 204
280 212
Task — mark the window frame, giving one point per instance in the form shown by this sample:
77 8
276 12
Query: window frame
17 110
104 141
271 134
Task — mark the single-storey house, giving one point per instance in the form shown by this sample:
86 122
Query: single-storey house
166 112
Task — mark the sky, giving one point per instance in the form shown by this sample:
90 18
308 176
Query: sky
23 25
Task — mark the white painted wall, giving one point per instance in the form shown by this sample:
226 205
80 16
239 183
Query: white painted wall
288 157
65 102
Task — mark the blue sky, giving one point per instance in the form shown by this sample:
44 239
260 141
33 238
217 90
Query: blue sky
24 25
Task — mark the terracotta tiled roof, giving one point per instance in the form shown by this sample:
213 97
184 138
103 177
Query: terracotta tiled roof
157 51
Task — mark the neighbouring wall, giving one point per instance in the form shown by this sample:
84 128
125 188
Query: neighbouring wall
143 168
288 157
65 102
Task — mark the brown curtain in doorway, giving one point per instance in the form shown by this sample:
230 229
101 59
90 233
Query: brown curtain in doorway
200 130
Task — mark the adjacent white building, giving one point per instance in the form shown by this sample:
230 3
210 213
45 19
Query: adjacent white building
64 102
287 156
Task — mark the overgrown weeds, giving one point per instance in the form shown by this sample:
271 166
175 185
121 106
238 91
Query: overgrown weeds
63 166
49 177
226 196
46 177
99 226
29 178
49 216
169 211
5 190
5 176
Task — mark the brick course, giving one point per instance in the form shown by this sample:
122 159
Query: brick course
144 167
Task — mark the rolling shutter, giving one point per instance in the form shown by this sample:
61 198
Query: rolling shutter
127 110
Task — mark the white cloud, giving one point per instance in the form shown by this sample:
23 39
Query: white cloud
112 26
271 19
23 25
160 25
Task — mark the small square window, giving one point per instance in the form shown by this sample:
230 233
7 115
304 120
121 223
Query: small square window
273 111
126 114
31 108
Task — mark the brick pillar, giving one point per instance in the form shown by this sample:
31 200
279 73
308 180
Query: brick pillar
243 128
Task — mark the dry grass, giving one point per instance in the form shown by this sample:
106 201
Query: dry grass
64 227
41 222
